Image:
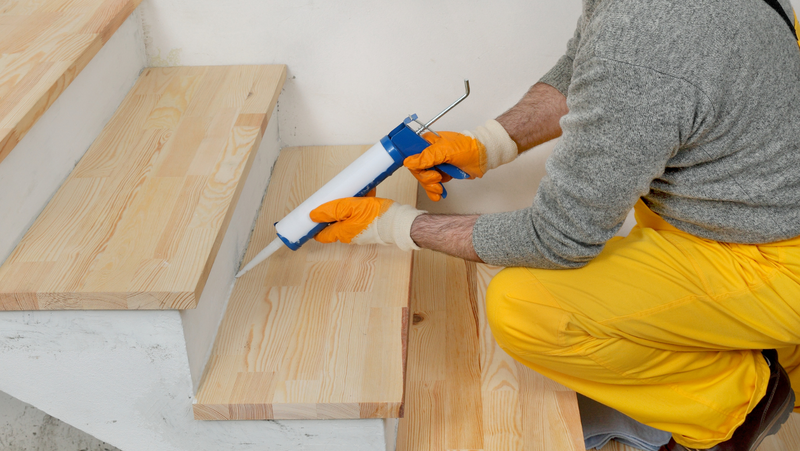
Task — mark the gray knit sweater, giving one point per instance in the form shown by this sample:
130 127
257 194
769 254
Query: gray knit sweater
692 105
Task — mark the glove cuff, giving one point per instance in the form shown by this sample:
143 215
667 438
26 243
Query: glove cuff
500 148
392 227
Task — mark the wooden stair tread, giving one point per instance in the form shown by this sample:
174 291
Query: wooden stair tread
464 392
138 222
44 45
319 332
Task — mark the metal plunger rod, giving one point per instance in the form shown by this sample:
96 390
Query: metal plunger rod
453 105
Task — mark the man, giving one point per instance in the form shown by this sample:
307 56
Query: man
688 111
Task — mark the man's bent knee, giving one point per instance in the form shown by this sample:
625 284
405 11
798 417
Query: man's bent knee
496 302
519 315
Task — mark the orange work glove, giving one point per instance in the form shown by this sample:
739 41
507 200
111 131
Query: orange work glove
474 152
366 220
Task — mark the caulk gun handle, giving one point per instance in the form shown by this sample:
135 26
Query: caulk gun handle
452 171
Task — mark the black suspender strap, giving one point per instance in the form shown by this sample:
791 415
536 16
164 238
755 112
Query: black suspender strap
779 9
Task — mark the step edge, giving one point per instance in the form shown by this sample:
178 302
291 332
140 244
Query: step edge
20 128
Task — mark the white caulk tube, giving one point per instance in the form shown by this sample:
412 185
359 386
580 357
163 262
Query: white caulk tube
297 227
361 174
357 179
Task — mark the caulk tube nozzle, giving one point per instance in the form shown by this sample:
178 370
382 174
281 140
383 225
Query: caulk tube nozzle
261 256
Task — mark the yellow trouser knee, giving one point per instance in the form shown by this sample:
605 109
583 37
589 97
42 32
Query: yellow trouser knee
663 326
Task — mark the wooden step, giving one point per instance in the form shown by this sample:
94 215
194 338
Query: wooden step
138 222
44 45
463 391
319 332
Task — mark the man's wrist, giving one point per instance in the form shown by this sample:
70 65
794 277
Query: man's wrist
396 226
500 148
451 234
392 227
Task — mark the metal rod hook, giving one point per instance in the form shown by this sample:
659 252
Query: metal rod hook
452 105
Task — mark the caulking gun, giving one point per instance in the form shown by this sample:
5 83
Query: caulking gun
356 180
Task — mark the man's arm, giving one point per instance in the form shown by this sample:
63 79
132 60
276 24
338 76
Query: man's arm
451 234
532 121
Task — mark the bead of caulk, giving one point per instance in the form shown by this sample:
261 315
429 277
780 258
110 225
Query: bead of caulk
263 255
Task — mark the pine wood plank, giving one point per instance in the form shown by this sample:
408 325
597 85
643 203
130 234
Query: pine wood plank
316 333
138 223
464 392
43 46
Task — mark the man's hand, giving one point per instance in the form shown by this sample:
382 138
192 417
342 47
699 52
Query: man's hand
460 150
366 220
532 121
372 220
473 152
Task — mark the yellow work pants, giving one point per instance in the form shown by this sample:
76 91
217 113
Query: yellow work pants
663 326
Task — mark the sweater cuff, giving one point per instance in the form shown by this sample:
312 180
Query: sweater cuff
488 244
560 76
509 239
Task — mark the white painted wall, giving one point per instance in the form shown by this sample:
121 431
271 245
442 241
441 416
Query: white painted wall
39 164
358 67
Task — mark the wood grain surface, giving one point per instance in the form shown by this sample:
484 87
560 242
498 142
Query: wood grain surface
44 45
316 333
463 392
138 222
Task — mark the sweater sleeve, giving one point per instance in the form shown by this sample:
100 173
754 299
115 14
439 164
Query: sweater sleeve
560 75
624 123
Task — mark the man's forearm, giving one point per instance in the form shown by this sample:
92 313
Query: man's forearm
534 119
451 234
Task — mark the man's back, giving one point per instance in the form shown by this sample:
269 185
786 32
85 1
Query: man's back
741 66
693 106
